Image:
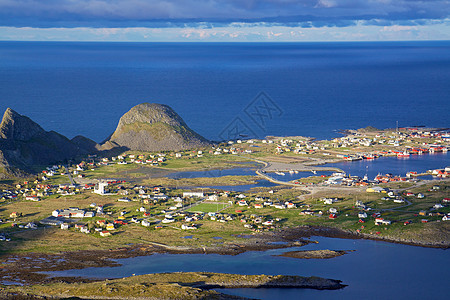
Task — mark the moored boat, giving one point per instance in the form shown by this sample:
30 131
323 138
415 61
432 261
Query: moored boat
403 154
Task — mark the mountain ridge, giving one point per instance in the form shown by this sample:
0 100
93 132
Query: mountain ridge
25 145
154 127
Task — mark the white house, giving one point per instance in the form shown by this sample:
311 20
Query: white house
280 206
213 197
187 227
362 215
334 180
289 204
145 223
193 194
100 188
124 199
329 200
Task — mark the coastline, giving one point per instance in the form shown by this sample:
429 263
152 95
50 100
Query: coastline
38 264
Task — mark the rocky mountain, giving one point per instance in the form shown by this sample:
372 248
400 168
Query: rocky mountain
24 145
153 127
27 147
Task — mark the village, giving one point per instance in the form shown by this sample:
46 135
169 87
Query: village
159 208
107 201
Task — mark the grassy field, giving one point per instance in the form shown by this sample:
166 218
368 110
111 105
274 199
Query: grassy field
48 239
52 239
208 207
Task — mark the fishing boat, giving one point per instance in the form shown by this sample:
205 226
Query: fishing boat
353 158
403 154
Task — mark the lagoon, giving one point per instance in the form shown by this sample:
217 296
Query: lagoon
375 270
382 165
371 168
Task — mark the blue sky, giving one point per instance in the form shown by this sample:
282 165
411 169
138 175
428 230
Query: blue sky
224 20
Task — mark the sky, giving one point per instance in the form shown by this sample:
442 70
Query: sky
224 20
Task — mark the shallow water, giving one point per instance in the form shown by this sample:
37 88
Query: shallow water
375 270
394 165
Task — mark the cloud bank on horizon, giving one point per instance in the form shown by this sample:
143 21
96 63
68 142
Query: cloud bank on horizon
224 20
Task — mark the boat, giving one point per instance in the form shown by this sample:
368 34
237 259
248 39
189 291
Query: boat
291 172
280 173
403 154
314 171
353 158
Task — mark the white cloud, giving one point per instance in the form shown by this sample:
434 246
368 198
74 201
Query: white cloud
396 28
241 33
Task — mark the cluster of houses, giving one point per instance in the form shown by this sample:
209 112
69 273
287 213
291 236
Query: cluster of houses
443 173
72 212
151 159
358 139
268 203
8 194
259 223
307 146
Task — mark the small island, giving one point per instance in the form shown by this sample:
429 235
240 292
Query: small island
191 285
315 254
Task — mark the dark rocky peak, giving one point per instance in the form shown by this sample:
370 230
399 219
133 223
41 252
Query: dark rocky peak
14 126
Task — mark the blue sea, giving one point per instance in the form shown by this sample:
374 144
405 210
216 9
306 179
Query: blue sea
309 89
256 89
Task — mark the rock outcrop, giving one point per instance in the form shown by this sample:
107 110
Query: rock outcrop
153 127
26 146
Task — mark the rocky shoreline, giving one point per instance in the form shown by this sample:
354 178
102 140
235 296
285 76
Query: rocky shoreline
28 268
177 285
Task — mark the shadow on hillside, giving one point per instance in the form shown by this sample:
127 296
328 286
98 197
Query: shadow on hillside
285 281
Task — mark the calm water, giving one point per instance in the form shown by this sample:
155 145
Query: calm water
395 165
382 165
84 88
214 173
375 270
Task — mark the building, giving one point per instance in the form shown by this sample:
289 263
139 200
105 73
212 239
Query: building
193 194
100 188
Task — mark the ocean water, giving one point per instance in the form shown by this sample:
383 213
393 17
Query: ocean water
310 89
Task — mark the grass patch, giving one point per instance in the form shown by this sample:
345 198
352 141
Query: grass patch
208 207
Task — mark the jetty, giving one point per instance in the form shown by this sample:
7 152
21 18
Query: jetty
285 167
